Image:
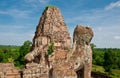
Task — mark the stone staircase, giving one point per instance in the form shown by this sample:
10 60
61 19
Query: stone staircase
7 70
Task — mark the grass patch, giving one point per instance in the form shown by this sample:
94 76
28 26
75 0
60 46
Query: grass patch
96 68
115 73
99 69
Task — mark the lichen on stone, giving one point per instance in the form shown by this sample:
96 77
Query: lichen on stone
49 6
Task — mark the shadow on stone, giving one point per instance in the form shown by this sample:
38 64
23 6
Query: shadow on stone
80 73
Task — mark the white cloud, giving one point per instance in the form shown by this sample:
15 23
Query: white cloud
17 28
36 3
43 1
16 34
10 38
113 5
108 37
116 37
28 7
15 13
100 28
13 27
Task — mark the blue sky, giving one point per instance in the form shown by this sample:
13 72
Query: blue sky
19 18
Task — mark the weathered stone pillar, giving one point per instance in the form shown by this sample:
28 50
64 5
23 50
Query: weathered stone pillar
82 49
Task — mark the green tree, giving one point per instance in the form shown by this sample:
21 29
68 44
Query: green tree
108 57
92 46
93 53
1 56
114 60
98 60
7 52
93 50
98 56
118 63
24 49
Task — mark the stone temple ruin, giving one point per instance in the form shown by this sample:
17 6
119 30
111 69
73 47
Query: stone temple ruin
65 61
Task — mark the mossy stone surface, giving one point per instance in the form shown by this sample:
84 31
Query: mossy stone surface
50 6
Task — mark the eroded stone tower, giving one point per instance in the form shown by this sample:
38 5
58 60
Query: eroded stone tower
64 62
51 28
